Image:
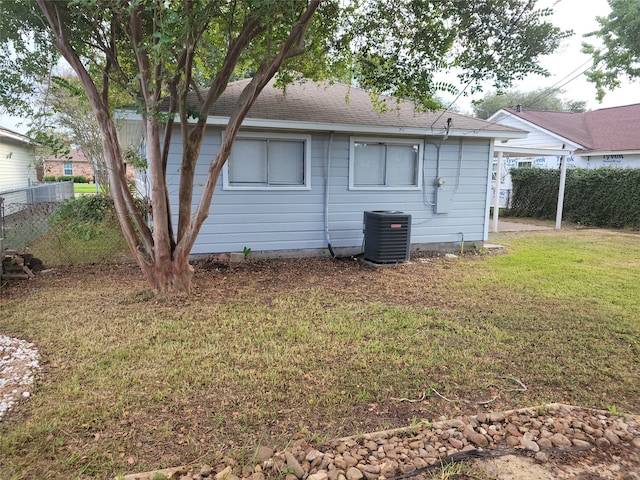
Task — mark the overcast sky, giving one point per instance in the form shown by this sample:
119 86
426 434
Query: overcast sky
566 63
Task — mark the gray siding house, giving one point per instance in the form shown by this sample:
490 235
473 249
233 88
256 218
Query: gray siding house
310 160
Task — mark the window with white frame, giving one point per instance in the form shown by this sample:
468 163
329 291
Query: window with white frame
384 163
260 161
525 164
67 168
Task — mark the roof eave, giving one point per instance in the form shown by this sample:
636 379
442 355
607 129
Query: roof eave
219 121
514 151
593 153
16 137
371 129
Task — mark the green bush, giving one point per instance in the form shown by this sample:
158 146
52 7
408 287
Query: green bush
49 178
84 215
73 178
603 197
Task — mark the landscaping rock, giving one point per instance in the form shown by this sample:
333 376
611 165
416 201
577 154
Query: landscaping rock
354 474
263 454
392 453
294 465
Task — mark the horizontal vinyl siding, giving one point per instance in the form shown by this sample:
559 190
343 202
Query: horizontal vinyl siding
536 137
290 220
16 166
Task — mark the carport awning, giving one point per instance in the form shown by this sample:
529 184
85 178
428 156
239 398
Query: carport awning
515 151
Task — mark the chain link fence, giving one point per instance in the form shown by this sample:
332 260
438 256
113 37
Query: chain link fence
45 222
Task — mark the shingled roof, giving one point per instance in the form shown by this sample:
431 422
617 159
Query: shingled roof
309 103
606 130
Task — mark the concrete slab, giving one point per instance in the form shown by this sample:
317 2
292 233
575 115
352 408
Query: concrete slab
519 227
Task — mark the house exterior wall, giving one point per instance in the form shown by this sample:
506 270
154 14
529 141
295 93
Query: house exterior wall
286 220
16 164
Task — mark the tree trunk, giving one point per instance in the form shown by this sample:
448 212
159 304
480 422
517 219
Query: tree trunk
171 277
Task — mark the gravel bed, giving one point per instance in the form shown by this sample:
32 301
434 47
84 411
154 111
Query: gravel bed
18 366
536 432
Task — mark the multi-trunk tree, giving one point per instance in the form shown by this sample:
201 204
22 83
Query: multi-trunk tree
161 50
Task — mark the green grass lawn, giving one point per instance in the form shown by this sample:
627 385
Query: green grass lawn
84 188
267 352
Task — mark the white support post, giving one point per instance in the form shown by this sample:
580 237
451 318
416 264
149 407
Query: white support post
563 179
496 193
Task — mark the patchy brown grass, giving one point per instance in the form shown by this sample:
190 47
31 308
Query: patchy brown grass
266 352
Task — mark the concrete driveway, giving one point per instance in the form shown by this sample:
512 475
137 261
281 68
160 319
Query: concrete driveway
509 226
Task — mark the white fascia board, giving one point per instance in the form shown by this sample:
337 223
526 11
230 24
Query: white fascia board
596 153
16 137
498 115
513 151
366 129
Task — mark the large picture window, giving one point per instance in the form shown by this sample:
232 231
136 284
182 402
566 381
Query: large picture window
259 161
384 163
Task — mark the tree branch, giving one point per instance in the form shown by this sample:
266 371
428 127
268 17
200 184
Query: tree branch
248 96
130 220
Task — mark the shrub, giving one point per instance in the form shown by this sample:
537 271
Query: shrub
65 178
80 179
49 178
83 215
603 197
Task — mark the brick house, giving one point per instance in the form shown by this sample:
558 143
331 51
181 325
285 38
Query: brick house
76 163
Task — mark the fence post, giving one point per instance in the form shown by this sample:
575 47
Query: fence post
563 179
2 217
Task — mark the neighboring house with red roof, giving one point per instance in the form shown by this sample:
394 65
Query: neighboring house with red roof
309 161
609 137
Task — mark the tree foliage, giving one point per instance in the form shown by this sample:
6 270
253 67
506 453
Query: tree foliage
619 56
401 45
161 51
540 99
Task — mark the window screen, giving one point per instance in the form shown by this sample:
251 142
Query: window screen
385 164
267 162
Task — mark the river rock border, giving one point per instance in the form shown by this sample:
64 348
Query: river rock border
537 432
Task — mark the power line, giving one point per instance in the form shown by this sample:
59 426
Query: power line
513 26
553 88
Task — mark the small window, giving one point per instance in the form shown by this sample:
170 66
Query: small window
67 168
494 171
380 163
525 164
268 162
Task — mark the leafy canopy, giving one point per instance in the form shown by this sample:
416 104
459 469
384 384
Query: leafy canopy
394 47
619 56
540 99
